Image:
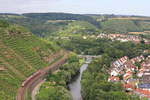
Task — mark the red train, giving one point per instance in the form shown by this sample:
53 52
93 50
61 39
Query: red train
39 74
30 78
44 71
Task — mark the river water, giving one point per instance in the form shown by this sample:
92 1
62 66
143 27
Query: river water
75 85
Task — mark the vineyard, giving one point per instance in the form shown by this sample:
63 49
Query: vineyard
21 54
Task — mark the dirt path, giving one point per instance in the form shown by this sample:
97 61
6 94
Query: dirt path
36 90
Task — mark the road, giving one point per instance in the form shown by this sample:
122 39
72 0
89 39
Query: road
38 77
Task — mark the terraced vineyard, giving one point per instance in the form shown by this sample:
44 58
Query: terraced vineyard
21 54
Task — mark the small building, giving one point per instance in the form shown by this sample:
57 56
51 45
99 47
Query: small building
144 86
114 73
129 87
127 75
145 78
113 79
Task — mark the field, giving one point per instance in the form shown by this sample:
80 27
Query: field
131 18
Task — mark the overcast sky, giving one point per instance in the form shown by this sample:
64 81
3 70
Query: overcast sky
128 7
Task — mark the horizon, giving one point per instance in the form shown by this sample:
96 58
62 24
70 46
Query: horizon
117 7
76 13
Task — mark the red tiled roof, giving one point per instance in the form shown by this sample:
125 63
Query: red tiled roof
114 78
126 76
145 92
128 86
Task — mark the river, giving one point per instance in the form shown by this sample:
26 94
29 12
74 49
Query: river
75 85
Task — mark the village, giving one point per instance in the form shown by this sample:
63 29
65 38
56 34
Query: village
120 37
124 38
133 73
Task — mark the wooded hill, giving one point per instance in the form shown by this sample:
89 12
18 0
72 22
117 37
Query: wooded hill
45 24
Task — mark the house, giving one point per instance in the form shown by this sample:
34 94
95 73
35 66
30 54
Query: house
145 78
137 59
130 66
120 61
141 72
129 87
144 86
114 72
113 79
133 81
127 76
143 92
146 65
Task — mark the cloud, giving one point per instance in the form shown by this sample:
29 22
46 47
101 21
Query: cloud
20 6
137 7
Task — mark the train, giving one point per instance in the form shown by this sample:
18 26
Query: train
34 79
30 78
43 71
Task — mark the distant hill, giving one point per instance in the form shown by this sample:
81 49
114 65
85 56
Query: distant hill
47 24
37 22
21 54
120 26
80 27
125 25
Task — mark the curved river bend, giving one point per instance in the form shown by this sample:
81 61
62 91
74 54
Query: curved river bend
75 85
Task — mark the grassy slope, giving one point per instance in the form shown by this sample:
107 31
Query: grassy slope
123 26
48 24
80 27
126 24
21 54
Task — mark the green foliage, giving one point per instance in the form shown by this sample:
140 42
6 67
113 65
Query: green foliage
45 24
73 58
80 27
121 26
56 86
21 54
49 92
3 24
49 24
145 25
95 85
114 49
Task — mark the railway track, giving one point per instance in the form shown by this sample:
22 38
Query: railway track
30 83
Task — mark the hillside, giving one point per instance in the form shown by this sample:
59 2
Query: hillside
122 26
45 24
21 54
80 27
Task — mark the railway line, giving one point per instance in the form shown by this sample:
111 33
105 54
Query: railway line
30 83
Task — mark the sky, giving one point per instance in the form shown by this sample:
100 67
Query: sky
122 7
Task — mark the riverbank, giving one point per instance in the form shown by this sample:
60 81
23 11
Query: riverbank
75 85
55 87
